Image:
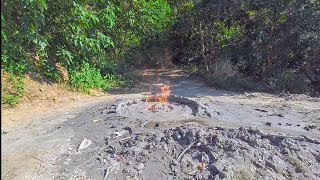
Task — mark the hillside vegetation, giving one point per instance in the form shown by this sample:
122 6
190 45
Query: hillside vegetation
255 45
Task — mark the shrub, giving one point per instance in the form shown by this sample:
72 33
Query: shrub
86 78
288 81
36 35
12 89
225 75
260 37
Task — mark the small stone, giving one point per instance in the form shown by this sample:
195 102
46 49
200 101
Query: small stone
165 147
312 127
143 145
268 124
176 135
113 162
129 129
219 128
285 151
174 162
158 146
140 166
129 172
253 130
259 164
84 144
175 172
157 137
111 149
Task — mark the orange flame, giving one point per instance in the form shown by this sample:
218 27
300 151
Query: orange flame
162 99
165 93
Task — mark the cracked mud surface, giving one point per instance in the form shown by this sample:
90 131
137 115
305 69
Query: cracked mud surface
126 144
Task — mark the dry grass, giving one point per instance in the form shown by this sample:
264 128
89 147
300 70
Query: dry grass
224 75
288 81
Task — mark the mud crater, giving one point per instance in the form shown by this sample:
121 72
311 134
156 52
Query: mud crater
177 107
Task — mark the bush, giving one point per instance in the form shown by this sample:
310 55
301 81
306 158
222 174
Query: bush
36 35
12 89
260 37
224 75
288 81
86 78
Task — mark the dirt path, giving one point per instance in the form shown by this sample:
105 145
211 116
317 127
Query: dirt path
45 145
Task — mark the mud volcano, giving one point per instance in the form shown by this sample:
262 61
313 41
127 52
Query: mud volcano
176 107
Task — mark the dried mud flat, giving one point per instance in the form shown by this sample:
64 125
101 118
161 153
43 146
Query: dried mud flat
204 134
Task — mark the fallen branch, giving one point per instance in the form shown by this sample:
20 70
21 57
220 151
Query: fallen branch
109 170
185 150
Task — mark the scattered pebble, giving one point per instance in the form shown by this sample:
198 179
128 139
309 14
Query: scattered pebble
84 144
140 166
268 124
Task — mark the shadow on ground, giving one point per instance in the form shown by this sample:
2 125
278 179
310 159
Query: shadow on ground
182 84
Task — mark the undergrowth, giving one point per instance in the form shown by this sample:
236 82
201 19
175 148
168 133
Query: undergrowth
288 81
12 89
225 76
86 78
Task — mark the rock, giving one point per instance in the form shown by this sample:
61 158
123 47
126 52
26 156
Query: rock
113 162
306 128
276 163
191 136
134 150
129 173
143 145
157 137
175 172
158 146
129 129
174 162
254 130
181 131
84 144
219 128
287 143
176 135
268 124
259 164
310 127
140 166
200 135
285 151
111 149
165 147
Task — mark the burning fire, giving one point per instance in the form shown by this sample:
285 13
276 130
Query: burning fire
163 99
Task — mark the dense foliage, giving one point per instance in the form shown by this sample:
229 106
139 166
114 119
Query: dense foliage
232 42
276 42
91 39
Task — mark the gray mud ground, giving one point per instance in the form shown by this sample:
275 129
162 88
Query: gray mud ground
211 135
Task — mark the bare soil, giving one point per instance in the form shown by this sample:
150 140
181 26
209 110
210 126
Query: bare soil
242 135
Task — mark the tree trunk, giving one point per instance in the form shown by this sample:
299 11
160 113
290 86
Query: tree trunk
202 50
